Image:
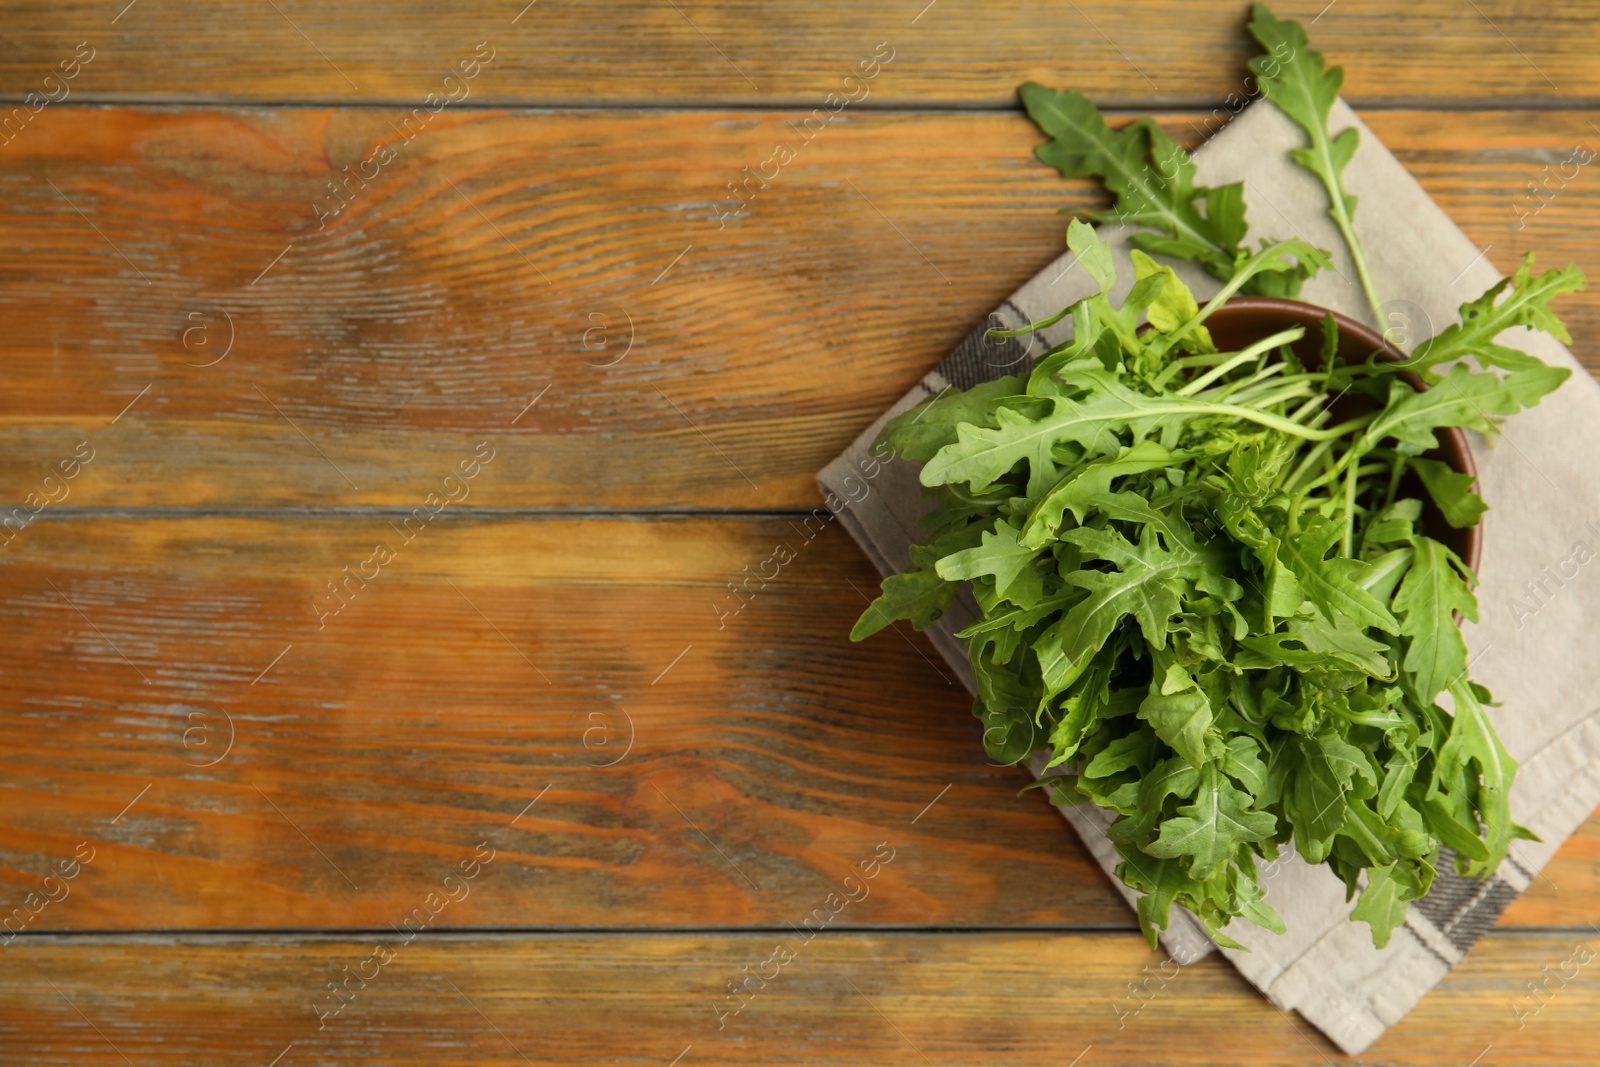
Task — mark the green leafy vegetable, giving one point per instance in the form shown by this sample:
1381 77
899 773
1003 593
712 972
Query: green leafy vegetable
1384 902
1293 77
1151 179
1483 320
1208 605
1451 492
1433 589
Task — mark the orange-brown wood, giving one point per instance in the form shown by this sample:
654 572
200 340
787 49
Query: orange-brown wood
503 255
843 998
203 735
944 53
492 664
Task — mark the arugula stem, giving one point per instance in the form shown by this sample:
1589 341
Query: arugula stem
1172 369
1323 146
1264 373
1315 404
1271 393
1215 373
1205 359
1222 391
1266 344
1344 464
1251 383
1346 542
1333 472
1197 406
1305 463
1276 422
1242 274
1395 475
1020 331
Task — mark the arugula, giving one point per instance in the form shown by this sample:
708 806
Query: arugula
1304 89
1212 830
1151 179
1526 302
1210 607
1433 589
1384 901
1451 491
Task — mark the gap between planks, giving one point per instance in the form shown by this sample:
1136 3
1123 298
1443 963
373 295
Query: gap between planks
1110 107
395 511
198 935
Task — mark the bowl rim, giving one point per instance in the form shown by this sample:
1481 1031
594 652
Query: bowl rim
1452 440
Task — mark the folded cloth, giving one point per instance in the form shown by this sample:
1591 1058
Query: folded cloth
1537 596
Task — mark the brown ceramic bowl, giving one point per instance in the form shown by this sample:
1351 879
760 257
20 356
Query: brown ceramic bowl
1244 320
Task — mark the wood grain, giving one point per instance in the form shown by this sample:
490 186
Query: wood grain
844 998
253 779
489 662
500 255
492 660
1167 52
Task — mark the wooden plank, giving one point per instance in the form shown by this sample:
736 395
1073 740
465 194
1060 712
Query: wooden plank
841 998
691 360
491 664
1160 52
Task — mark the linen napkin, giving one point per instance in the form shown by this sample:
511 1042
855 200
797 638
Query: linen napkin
1538 593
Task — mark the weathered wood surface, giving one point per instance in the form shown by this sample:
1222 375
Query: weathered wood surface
695 52
845 998
489 660
500 255
683 360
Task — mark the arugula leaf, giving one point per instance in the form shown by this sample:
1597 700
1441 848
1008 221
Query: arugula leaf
1141 588
1001 557
1174 305
1333 585
982 456
919 433
1151 179
1212 828
1130 751
1383 903
1248 903
918 595
1434 588
1394 524
1305 90
1084 146
1094 254
1005 701
1180 714
1163 882
1321 642
1451 492
1329 773
1242 762
1472 741
1462 398
1075 492
1078 713
1484 319
1173 777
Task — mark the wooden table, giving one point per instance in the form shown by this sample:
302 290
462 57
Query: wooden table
364 661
